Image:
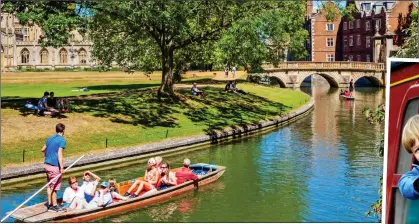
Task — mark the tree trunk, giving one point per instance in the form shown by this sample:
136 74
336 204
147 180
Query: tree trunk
166 85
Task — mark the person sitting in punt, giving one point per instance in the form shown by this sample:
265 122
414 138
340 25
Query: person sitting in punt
151 180
347 93
196 91
114 190
342 92
73 196
89 186
185 174
159 163
168 178
102 198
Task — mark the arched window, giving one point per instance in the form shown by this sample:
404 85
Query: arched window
44 56
63 56
82 56
24 55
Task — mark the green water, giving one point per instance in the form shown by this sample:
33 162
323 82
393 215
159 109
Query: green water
322 168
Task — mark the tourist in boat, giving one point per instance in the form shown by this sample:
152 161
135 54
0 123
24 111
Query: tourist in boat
150 182
159 160
102 198
168 178
74 195
185 174
342 92
114 190
409 182
89 186
347 93
54 165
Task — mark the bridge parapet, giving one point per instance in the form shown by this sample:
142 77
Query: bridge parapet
316 66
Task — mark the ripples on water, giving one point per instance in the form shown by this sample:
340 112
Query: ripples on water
322 168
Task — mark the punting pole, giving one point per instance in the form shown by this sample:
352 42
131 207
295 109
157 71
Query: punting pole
7 216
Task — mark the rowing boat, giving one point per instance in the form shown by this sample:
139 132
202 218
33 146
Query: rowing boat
40 213
347 97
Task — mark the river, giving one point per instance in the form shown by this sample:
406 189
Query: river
322 168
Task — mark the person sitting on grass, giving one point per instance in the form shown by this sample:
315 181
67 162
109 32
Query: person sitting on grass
151 180
102 198
228 86
43 108
185 174
51 100
196 91
114 190
168 177
235 90
409 183
73 196
89 186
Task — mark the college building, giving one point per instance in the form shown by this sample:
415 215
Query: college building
374 33
20 48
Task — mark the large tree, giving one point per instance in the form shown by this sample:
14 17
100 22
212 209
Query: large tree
410 47
143 34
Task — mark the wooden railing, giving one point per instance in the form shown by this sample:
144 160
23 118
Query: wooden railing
308 65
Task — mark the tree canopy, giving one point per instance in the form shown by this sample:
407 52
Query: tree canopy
163 34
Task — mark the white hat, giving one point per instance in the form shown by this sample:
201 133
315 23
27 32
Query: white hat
152 161
186 162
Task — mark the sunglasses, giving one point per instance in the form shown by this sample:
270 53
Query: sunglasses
74 182
164 167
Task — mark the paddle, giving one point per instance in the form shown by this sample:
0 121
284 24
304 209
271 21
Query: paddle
7 216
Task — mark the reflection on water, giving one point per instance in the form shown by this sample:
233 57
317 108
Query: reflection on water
322 168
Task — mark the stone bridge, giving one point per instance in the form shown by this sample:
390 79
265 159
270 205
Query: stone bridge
337 74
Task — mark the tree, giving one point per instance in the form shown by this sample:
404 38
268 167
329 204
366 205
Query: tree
142 34
336 9
410 48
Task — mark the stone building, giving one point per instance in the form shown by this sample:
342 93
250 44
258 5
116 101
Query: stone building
20 48
375 33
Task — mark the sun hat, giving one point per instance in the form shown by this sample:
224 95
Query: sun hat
104 184
186 162
152 161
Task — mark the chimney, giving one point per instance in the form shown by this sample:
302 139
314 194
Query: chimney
309 8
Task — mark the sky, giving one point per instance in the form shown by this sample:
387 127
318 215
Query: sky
316 3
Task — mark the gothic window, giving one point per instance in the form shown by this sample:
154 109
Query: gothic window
63 56
44 56
24 55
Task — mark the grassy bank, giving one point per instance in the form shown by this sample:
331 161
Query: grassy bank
138 118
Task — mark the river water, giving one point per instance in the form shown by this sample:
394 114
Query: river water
322 168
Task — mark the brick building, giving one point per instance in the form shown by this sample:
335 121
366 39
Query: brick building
375 33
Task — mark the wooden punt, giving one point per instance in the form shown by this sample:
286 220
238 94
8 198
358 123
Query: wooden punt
347 97
39 212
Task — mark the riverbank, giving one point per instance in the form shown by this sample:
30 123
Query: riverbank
114 157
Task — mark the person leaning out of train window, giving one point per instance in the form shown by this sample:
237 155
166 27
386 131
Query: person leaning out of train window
185 174
168 178
73 196
102 198
409 182
89 186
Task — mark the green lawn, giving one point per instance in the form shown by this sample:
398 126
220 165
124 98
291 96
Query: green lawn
138 118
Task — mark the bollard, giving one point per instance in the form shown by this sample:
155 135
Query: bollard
167 132
23 156
106 143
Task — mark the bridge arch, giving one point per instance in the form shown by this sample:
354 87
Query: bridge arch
329 78
372 79
274 80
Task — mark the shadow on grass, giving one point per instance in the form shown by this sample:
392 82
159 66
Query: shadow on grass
121 87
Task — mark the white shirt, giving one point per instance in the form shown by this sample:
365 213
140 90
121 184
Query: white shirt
69 194
88 187
107 198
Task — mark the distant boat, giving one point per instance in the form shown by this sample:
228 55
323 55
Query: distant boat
347 97
39 212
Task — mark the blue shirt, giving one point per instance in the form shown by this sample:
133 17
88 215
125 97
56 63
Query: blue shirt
406 184
42 102
53 144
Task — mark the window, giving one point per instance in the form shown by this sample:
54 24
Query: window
345 41
367 25
358 57
367 42
345 26
358 39
366 6
63 56
358 23
329 42
378 23
368 58
330 27
24 55
25 34
351 57
351 41
18 33
44 56
351 24
330 57
82 56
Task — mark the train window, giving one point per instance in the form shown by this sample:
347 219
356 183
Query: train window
403 212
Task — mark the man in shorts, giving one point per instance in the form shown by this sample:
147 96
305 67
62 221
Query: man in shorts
54 165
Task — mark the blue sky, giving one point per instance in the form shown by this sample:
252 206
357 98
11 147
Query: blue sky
317 3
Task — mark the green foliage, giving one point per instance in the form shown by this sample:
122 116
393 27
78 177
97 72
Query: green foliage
410 48
335 9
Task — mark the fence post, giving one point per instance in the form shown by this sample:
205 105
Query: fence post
167 132
106 142
23 156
